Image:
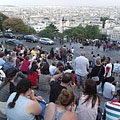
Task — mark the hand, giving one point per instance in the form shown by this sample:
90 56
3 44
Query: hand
73 86
72 108
32 96
39 98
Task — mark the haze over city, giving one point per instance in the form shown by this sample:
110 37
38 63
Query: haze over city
62 2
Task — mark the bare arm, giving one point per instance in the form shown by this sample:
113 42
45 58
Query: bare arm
33 107
55 77
114 93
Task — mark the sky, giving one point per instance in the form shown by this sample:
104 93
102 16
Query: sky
62 2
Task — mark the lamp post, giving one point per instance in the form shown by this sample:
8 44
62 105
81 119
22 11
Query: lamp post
1 18
63 21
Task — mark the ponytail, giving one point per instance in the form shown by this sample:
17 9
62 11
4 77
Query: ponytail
12 104
22 87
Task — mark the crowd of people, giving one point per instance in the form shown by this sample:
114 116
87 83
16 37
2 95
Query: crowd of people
25 71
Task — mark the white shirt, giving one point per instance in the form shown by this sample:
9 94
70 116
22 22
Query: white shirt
52 69
81 66
85 111
110 70
116 68
72 50
108 89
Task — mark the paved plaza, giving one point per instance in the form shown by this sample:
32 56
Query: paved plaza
114 55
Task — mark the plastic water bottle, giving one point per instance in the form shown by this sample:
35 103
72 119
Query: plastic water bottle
117 84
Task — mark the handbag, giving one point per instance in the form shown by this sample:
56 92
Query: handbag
41 116
96 78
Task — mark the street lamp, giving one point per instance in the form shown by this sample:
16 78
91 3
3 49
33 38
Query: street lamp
1 19
63 21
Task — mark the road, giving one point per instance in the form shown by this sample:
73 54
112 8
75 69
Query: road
114 54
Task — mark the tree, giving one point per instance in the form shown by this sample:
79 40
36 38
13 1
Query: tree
89 32
2 19
31 30
16 25
92 32
50 31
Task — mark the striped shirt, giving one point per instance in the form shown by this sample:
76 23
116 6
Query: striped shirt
112 110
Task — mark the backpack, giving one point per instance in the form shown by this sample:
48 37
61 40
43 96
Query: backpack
64 52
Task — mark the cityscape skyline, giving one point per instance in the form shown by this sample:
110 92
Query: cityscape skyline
92 3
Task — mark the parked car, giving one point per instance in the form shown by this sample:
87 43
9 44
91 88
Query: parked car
13 43
1 35
20 37
30 38
46 41
9 35
85 43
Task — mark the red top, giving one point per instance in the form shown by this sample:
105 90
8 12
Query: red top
104 45
74 76
115 100
60 52
33 78
25 65
110 46
18 50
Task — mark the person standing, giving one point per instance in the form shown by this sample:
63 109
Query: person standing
72 50
64 54
81 68
116 69
97 70
52 54
108 71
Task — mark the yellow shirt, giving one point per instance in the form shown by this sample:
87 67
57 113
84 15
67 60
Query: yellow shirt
33 53
43 56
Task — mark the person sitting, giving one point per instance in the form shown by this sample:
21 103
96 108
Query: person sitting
22 104
7 87
52 69
88 102
2 58
8 64
112 109
33 76
64 107
44 77
56 86
109 89
25 65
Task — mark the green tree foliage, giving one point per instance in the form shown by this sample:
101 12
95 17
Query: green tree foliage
89 32
92 32
50 31
2 18
31 30
16 25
